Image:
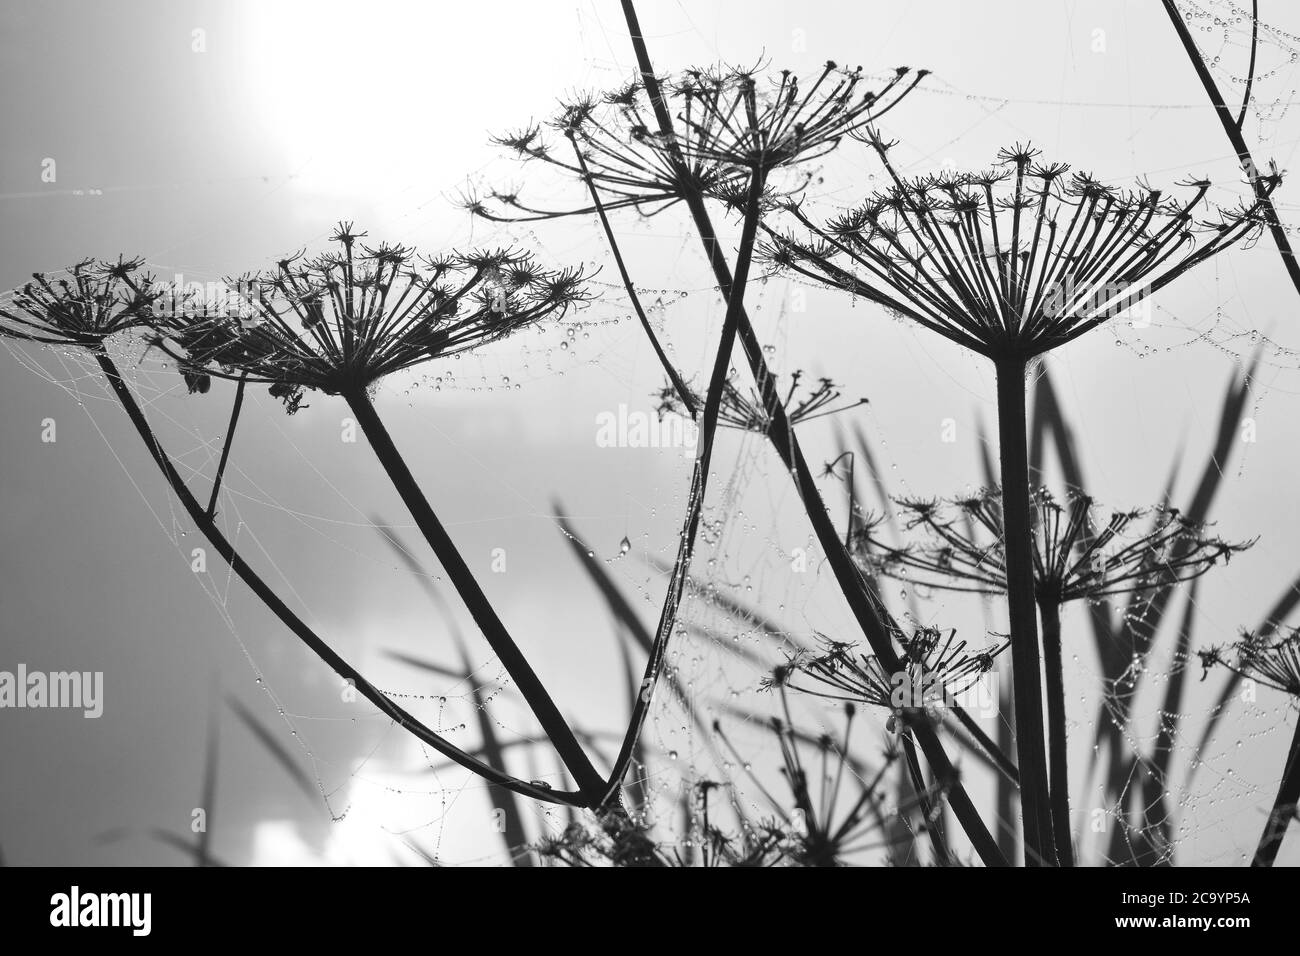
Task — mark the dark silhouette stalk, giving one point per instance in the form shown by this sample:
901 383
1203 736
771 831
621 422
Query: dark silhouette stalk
1025 661
933 822
1005 799
683 393
1232 127
230 440
1059 781
865 605
699 484
205 524
1250 70
991 748
1284 807
589 781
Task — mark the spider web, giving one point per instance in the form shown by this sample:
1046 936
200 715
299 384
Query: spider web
751 527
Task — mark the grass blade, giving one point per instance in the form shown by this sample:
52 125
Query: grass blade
272 744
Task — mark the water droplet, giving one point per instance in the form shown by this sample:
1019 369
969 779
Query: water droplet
624 546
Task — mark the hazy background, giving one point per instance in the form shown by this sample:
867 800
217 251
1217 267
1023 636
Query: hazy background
297 115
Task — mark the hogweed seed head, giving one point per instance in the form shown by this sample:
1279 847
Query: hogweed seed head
727 124
744 410
936 667
838 804
344 319
1016 260
1272 660
1081 552
84 306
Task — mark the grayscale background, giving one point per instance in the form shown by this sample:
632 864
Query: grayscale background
296 115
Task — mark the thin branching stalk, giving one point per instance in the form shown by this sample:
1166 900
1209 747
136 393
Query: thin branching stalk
1001 762
929 812
338 323
590 783
229 441
699 483
864 603
208 527
683 393
1250 70
1232 126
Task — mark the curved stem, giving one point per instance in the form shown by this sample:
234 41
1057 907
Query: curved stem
1250 70
1057 742
1025 663
557 729
1284 807
1232 129
699 483
683 393
204 523
866 606
871 615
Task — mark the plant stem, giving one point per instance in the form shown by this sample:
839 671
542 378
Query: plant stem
1057 742
1025 663
1232 128
1005 799
868 610
683 393
1284 807
230 440
699 483
589 781
933 822
997 757
304 633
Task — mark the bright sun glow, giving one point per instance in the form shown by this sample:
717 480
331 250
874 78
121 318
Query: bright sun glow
388 100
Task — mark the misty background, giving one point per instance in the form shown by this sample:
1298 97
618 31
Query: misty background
294 116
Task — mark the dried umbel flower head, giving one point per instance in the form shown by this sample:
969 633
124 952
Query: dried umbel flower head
1272 660
1081 552
1015 261
744 410
839 806
624 841
340 321
835 807
936 668
84 306
726 124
